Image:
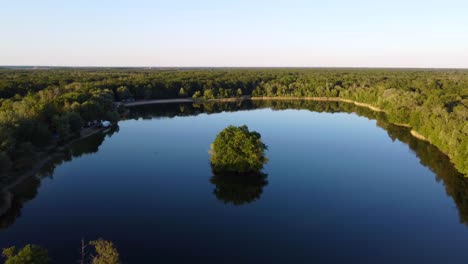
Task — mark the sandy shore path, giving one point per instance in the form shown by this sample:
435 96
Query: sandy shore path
158 101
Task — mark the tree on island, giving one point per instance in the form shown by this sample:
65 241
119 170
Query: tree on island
237 158
236 150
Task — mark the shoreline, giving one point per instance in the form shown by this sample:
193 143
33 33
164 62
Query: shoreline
156 101
255 98
423 138
45 158
320 99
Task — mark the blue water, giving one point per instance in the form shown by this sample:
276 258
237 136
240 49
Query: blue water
339 190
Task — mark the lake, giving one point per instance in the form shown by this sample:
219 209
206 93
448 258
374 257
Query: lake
342 186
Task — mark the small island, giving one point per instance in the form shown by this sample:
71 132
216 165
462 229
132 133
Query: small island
236 150
237 158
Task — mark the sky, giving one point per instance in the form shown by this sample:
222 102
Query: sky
238 33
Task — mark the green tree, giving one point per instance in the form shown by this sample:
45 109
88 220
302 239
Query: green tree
62 126
90 111
30 254
208 94
182 92
24 155
75 122
123 93
106 253
196 95
5 163
42 134
237 150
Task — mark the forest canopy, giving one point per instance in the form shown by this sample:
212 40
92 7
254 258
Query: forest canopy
38 105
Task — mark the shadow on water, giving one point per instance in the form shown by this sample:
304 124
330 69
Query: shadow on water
13 199
243 190
238 189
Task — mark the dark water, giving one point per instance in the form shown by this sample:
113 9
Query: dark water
340 187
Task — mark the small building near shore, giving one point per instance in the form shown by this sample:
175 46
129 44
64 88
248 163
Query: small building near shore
105 123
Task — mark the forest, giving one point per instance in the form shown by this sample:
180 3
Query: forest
44 108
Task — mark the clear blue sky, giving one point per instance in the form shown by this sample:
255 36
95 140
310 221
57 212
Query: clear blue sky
336 33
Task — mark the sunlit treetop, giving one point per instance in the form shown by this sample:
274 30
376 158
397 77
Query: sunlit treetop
238 150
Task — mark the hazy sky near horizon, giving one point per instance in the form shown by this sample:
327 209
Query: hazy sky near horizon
332 33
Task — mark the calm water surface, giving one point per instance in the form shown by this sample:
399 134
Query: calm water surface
339 189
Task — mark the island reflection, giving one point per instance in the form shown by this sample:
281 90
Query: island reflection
239 189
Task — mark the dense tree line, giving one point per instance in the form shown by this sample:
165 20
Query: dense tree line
36 104
39 121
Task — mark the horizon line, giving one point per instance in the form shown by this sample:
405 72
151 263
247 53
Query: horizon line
231 67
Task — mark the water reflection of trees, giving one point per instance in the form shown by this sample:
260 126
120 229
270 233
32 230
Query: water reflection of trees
228 190
77 149
191 109
456 185
187 109
238 189
13 199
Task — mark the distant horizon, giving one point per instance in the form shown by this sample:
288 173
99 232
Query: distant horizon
231 67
